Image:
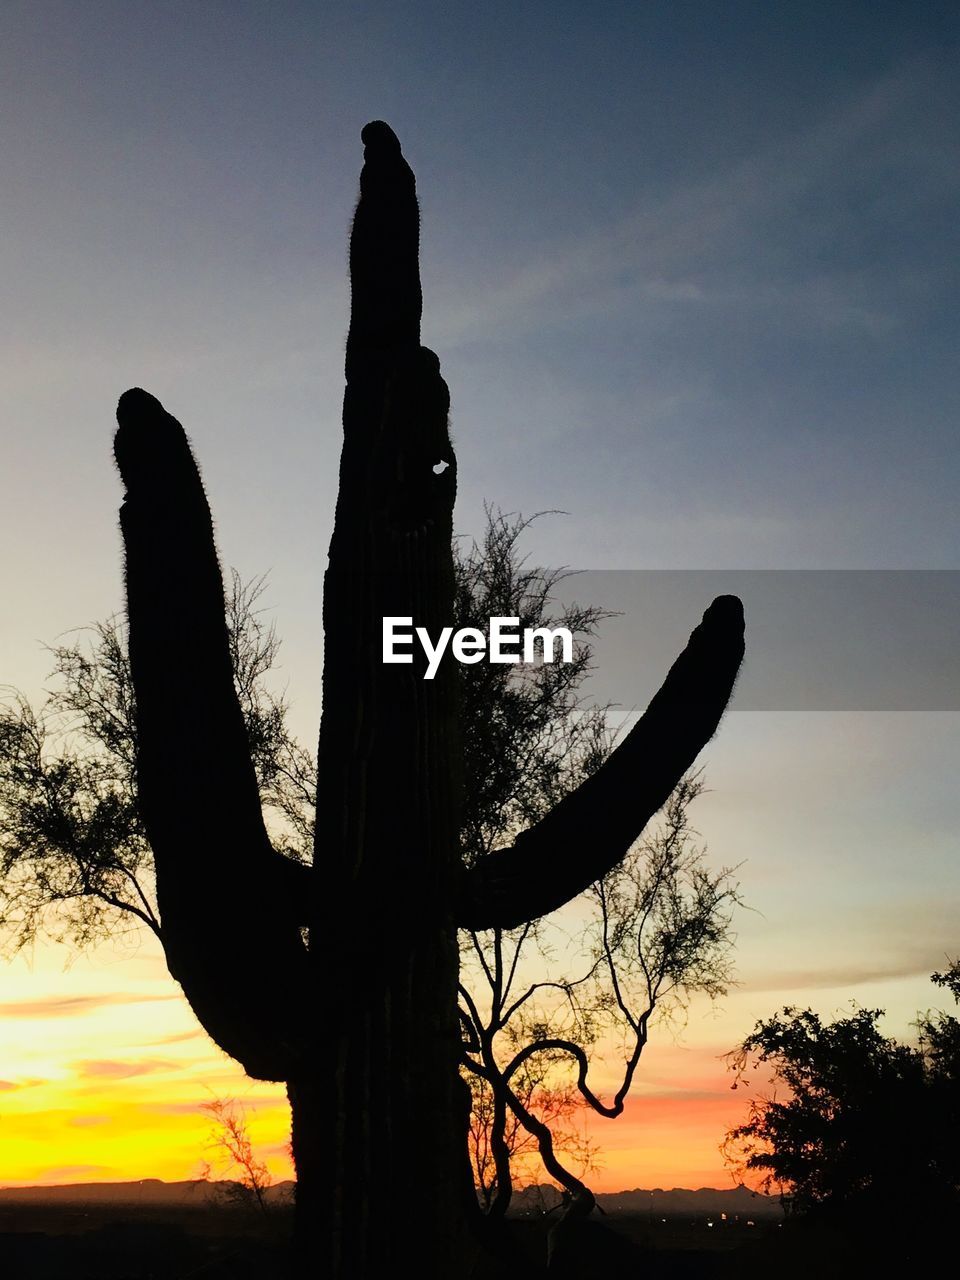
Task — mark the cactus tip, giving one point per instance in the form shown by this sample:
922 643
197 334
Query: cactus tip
378 136
725 609
146 434
136 404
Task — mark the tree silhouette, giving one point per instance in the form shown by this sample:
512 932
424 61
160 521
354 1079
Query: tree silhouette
360 1019
497 1134
230 1138
658 933
861 1128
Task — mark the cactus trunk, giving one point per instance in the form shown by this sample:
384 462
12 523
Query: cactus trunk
379 1135
392 1179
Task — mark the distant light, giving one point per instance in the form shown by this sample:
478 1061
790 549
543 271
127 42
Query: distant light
709 1224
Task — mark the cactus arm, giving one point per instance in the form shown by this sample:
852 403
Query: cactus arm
228 938
591 829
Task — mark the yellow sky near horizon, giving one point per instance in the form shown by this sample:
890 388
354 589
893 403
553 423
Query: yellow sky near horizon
104 1071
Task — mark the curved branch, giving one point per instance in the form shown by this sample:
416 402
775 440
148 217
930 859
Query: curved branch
565 987
473 1011
501 1155
581 1200
472 1042
591 829
477 1068
576 1052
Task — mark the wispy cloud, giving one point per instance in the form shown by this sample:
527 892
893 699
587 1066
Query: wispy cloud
648 1096
279 1149
731 238
179 1108
845 976
108 1069
261 1106
180 1037
7 1086
70 1006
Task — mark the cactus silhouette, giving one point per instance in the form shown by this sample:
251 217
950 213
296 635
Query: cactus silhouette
341 979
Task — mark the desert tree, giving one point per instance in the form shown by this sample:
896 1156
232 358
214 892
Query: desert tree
653 932
854 1126
528 738
232 1144
646 938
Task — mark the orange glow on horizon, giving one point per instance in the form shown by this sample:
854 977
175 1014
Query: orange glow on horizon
666 1141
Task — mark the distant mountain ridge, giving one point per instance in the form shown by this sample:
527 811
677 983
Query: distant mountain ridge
677 1202
145 1191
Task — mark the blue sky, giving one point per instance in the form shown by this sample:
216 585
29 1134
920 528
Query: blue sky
691 272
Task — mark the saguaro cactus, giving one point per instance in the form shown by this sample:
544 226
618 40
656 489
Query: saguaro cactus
360 1019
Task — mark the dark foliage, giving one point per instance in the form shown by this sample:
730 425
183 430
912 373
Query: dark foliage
860 1127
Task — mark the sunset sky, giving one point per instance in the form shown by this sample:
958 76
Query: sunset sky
691 272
